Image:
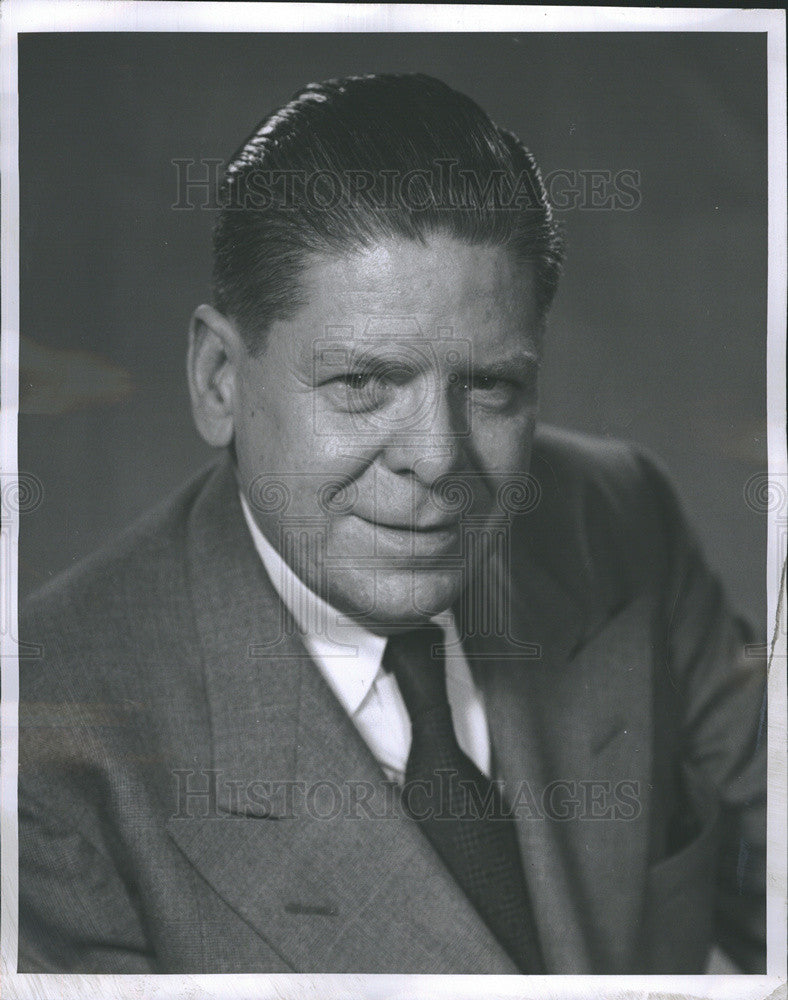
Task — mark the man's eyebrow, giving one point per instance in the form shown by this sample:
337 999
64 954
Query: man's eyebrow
337 356
517 364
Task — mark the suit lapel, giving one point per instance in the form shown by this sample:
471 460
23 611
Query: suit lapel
570 726
341 881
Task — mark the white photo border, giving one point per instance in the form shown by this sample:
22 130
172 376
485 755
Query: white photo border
194 16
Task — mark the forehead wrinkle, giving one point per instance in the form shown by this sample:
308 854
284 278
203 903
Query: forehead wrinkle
406 273
479 287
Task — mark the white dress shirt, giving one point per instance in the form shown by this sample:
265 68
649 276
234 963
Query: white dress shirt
349 657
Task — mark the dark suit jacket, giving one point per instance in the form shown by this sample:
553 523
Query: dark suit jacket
164 671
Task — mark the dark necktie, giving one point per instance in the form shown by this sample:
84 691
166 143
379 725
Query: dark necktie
460 810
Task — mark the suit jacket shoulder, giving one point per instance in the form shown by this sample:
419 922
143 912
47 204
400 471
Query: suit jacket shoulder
108 597
608 524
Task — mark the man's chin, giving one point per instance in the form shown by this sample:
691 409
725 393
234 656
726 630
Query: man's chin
393 599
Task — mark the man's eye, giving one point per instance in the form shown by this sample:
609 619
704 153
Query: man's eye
356 380
356 391
380 379
486 382
479 381
492 391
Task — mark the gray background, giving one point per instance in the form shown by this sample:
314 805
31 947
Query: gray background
658 334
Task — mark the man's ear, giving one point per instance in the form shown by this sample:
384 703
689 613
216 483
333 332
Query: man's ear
215 352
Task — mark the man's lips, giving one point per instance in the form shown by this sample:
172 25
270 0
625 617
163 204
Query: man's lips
426 529
413 540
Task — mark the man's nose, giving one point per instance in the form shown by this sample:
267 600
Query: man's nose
429 441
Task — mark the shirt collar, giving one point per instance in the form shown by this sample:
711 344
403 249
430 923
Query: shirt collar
348 655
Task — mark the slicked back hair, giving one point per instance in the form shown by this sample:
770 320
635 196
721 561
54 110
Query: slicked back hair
349 163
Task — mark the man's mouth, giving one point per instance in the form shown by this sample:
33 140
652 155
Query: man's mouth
399 538
425 527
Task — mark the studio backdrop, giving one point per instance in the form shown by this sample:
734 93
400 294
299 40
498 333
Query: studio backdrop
653 148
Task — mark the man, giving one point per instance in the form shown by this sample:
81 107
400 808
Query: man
398 685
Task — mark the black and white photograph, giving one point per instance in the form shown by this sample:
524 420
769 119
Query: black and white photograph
395 501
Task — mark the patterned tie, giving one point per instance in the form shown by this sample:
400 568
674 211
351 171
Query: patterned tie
460 810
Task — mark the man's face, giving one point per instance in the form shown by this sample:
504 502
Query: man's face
374 431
